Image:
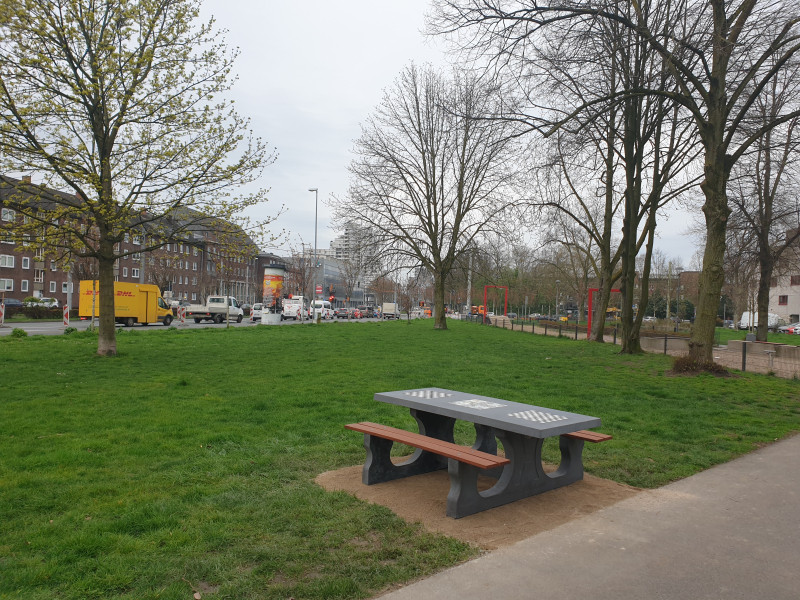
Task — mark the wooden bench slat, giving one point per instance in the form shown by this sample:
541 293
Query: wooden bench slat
464 454
588 436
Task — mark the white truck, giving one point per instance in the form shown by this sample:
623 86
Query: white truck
389 310
322 308
749 320
295 308
217 309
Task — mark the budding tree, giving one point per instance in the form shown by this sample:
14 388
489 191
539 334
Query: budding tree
122 104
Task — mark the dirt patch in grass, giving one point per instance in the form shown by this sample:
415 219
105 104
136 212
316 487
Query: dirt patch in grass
686 366
422 499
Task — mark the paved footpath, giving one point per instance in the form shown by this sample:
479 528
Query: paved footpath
731 532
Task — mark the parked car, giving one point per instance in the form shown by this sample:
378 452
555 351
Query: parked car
790 328
649 320
12 303
512 315
255 311
340 313
45 302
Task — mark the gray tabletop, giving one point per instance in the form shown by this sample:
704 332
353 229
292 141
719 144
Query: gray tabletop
525 419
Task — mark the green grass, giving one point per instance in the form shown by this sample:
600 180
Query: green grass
187 462
724 335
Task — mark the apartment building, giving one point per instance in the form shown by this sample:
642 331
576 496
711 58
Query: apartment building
189 268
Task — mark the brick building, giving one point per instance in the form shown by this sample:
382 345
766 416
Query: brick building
189 268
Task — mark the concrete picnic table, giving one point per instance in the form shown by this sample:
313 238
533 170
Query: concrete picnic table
521 428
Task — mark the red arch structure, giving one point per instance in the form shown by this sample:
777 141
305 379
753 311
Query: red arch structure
591 312
485 297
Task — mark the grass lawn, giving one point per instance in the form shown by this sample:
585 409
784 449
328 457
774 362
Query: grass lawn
187 462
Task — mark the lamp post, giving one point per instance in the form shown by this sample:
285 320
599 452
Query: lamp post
557 284
314 277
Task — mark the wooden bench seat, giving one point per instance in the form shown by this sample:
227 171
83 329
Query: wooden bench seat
463 454
588 436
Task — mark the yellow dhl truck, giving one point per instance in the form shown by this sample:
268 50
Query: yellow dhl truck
133 303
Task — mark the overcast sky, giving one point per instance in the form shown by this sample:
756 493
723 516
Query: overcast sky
309 74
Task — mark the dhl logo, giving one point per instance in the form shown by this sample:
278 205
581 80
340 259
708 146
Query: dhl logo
119 293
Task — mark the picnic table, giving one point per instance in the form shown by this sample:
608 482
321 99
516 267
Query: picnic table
521 428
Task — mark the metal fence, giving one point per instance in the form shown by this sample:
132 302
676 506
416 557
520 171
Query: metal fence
781 360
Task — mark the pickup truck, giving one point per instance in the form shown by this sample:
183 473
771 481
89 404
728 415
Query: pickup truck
216 309
389 311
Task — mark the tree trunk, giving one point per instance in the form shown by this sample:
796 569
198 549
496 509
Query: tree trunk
440 319
107 338
712 277
600 304
762 299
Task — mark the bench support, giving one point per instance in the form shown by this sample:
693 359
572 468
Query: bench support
523 477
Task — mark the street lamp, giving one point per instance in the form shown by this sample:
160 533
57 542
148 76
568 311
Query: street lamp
557 283
314 278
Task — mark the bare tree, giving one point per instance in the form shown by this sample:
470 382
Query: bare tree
722 60
430 174
765 187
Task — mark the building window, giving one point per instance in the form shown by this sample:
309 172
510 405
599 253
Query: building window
136 256
6 285
52 287
194 297
7 214
783 300
53 266
64 287
26 262
38 276
124 271
23 285
194 266
6 260
135 273
137 239
773 282
795 280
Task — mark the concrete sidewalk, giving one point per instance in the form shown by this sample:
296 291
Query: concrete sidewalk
731 532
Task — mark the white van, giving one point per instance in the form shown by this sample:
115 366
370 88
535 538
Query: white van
323 308
749 320
294 308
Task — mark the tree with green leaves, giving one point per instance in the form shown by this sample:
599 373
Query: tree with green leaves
122 104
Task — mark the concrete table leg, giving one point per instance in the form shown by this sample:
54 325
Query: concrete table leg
524 477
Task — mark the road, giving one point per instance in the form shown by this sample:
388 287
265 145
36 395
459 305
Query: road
57 327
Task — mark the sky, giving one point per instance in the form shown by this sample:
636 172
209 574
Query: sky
309 73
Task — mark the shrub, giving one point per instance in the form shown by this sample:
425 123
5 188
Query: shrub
69 330
19 333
